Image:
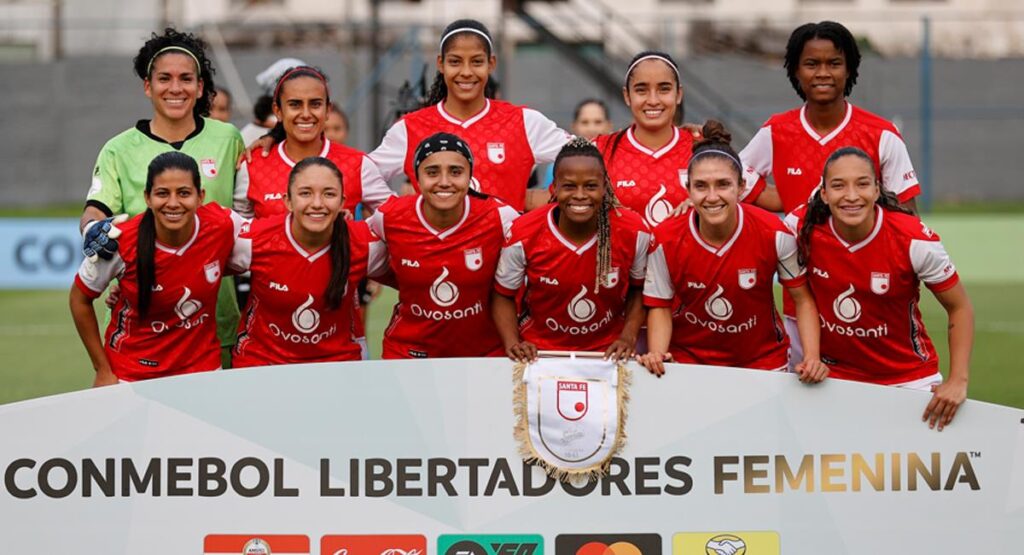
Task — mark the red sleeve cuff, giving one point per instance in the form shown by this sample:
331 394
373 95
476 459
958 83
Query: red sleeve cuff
636 282
909 193
505 290
85 288
794 282
655 302
944 285
756 191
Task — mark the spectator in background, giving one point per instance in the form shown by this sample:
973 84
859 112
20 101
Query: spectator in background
221 108
336 129
590 119
263 120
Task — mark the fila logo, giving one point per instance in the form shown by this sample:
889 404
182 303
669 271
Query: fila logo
625 183
273 196
278 287
696 285
820 273
794 171
548 281
410 263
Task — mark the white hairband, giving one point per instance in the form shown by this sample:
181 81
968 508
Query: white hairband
655 57
719 152
490 45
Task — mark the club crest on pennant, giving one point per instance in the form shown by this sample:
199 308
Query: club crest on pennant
212 271
496 152
209 167
474 258
747 277
571 414
879 283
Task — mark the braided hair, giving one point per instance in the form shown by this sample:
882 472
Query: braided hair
173 41
818 210
578 146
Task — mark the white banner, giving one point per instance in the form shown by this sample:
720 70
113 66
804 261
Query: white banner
417 457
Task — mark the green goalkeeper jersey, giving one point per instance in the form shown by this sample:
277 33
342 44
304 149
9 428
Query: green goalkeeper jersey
119 178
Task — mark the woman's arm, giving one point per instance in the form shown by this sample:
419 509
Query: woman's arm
810 369
503 310
659 335
624 347
84 315
948 396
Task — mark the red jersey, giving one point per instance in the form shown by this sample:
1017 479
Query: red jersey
792 152
178 334
444 278
724 304
261 186
867 294
650 183
507 142
287 320
563 312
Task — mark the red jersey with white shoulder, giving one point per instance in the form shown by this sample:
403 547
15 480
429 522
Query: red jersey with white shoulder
650 183
178 334
794 154
562 309
444 278
722 300
261 185
507 141
867 295
287 320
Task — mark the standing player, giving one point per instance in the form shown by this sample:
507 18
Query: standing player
301 104
647 160
444 245
169 267
507 141
336 128
554 253
866 258
306 266
715 268
178 79
822 63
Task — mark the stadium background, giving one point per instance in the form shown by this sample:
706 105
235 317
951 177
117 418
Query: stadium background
948 73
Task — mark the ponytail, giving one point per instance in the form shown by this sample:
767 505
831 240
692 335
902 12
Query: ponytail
341 260
145 260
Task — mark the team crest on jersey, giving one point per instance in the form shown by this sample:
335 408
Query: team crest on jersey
879 283
496 152
209 167
683 176
747 277
212 271
474 258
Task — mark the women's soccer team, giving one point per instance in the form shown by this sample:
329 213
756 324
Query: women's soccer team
654 243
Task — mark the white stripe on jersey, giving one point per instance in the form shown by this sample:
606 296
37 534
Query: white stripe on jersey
897 171
511 271
785 247
658 280
546 139
389 156
639 268
241 202
375 190
756 158
930 260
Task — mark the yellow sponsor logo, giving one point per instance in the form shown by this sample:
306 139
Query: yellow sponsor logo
726 543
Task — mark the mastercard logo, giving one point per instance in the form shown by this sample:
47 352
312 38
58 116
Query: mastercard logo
617 548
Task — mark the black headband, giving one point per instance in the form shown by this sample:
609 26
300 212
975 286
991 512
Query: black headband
441 142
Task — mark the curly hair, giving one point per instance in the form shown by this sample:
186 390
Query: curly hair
839 35
155 47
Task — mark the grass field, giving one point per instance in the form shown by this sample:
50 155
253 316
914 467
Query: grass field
42 355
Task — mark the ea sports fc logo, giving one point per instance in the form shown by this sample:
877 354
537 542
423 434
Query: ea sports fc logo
846 307
490 544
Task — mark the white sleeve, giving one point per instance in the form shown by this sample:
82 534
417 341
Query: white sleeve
792 221
511 272
544 136
898 173
378 259
756 158
658 280
930 261
375 190
789 264
389 156
241 255
638 270
241 203
376 224
98 275
507 215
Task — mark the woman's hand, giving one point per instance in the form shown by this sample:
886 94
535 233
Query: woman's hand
654 362
811 370
621 350
263 144
104 376
946 399
523 351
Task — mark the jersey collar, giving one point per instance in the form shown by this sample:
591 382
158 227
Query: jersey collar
447 232
720 251
290 162
561 238
879 215
814 134
653 154
310 257
464 124
144 127
181 250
